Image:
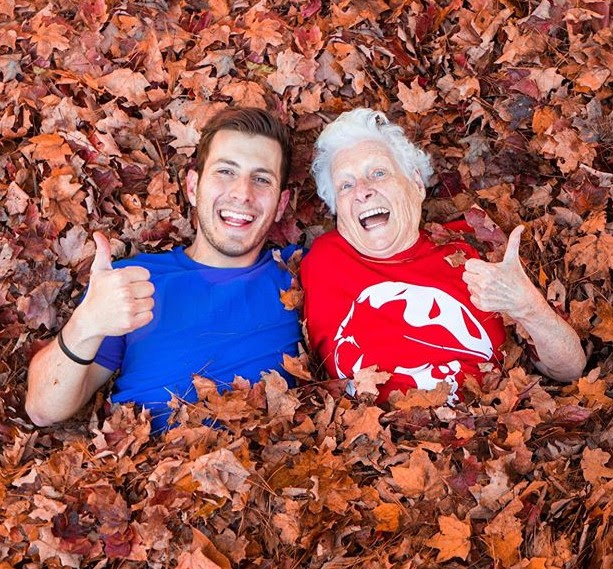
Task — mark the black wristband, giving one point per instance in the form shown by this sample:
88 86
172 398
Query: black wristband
69 354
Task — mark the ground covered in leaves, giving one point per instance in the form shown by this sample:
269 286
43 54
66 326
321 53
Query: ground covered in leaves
100 108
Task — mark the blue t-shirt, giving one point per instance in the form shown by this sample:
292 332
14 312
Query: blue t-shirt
216 322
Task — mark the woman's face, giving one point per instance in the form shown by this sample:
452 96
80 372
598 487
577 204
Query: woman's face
378 207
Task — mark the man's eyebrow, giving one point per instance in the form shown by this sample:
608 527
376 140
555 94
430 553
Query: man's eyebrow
237 165
226 161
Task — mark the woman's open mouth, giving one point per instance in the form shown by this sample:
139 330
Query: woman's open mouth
374 217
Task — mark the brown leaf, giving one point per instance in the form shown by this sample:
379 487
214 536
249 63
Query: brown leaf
503 535
367 379
595 252
61 201
297 366
281 402
220 473
126 83
415 99
362 421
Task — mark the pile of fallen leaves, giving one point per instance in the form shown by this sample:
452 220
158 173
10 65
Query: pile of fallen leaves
270 477
101 103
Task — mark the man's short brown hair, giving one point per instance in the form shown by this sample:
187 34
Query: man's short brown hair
248 120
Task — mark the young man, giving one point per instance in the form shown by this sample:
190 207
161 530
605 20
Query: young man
212 308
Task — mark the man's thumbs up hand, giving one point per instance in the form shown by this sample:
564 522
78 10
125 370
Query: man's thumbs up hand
118 301
504 286
102 258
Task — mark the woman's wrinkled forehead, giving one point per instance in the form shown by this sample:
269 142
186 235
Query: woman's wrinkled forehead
361 156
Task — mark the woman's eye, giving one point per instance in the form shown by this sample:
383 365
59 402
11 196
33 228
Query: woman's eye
344 186
378 173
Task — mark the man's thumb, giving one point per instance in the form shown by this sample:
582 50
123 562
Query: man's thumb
511 253
102 258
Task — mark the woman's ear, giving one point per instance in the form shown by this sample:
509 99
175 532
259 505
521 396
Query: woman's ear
419 182
191 182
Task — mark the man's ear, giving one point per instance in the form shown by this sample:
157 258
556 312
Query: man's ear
283 201
191 183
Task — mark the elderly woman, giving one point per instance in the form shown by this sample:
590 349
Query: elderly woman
380 292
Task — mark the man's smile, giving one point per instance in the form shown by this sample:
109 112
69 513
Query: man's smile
374 217
235 218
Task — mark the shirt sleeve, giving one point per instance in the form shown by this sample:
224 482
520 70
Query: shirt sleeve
111 352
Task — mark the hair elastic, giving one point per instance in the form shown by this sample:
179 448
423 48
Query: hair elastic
76 359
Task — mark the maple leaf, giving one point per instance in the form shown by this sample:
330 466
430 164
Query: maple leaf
604 328
593 251
72 249
186 136
61 201
415 99
366 380
292 70
362 421
281 403
387 517
49 37
453 540
126 83
49 147
247 93
220 473
419 478
593 465
262 31
47 546
424 398
503 534
297 366
38 307
288 526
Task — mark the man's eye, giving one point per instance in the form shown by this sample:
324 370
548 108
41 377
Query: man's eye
224 171
262 181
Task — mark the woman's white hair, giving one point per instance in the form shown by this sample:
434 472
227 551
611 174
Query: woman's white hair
355 126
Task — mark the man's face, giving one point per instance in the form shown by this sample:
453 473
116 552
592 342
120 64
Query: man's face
378 207
238 197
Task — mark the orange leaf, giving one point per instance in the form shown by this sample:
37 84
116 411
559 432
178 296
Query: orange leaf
453 540
604 328
387 517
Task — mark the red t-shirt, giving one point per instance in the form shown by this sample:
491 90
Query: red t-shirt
410 314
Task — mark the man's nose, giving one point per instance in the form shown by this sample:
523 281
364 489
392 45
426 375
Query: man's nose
242 189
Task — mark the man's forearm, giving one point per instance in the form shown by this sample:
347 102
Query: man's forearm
558 346
57 386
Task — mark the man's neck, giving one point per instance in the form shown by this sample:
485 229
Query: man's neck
203 253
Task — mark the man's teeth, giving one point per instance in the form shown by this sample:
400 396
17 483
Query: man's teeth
235 215
376 211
